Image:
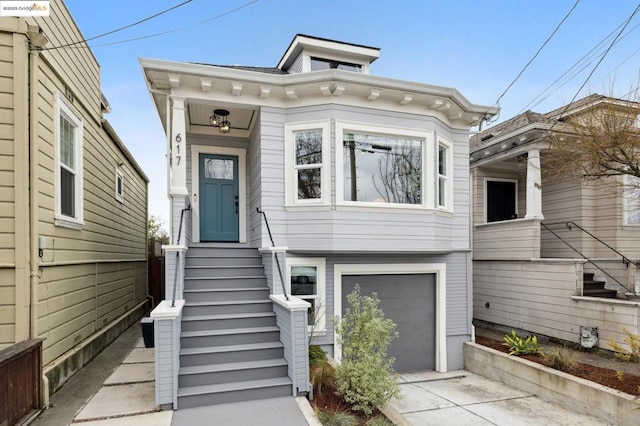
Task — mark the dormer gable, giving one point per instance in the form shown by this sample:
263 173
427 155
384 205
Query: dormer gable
308 53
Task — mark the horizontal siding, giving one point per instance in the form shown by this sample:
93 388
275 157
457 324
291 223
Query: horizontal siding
77 300
537 297
7 306
509 240
7 162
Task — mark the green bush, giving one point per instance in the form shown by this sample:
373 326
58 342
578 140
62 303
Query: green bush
337 418
561 359
316 356
633 341
519 346
365 377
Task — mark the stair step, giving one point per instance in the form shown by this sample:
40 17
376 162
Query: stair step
232 372
231 336
204 283
230 353
197 396
223 271
224 321
192 308
593 285
236 261
607 293
220 250
588 276
226 294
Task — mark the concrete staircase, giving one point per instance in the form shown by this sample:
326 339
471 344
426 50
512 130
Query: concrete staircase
595 288
230 344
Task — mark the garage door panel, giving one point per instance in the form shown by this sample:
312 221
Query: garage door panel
409 300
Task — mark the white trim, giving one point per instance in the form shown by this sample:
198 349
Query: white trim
196 150
448 205
439 269
119 176
321 285
427 162
63 108
290 179
486 179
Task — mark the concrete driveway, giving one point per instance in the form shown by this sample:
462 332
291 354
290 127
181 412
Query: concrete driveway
463 398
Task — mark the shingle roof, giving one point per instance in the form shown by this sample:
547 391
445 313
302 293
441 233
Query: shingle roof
264 70
486 138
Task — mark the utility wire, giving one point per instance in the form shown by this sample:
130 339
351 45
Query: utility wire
595 67
175 30
497 102
119 29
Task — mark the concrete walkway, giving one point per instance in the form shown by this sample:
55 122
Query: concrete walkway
462 398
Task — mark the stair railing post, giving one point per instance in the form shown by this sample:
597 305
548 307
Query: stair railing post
274 254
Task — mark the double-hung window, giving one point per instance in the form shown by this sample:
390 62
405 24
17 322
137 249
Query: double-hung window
119 185
68 140
306 277
444 193
307 153
631 196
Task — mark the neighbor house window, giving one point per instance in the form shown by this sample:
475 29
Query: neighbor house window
68 140
501 199
307 156
444 176
119 185
318 64
631 197
382 169
306 280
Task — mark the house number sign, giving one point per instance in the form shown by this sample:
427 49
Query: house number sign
178 140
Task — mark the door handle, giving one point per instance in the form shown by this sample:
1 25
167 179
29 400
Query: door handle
237 204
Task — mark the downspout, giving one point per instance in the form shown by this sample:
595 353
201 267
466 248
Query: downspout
36 42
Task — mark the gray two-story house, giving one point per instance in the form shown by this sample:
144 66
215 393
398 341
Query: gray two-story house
361 179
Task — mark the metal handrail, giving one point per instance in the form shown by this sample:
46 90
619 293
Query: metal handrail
175 272
577 251
284 290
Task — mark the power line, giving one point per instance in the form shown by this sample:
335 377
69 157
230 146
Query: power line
497 103
175 30
594 68
119 29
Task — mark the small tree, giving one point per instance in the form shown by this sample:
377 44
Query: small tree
156 230
365 377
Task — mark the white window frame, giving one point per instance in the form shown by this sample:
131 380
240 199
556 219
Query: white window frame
321 302
486 206
440 271
625 198
291 177
64 109
448 196
427 163
119 177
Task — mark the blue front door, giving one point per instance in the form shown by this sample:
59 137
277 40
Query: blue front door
218 197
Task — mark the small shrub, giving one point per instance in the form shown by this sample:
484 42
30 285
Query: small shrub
365 377
620 375
336 418
316 356
378 421
561 359
519 346
631 339
322 377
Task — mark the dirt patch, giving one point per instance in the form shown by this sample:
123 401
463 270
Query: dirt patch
624 382
330 401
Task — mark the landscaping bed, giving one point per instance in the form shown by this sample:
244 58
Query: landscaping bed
624 382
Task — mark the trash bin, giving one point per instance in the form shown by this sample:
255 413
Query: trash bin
147 332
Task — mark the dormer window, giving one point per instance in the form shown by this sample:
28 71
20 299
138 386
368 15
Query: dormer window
318 64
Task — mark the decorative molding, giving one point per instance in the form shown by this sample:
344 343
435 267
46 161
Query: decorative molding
174 80
374 94
325 89
205 84
265 92
455 115
291 93
236 89
338 90
406 99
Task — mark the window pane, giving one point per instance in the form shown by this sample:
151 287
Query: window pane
309 183
304 280
442 190
318 64
442 160
501 201
217 168
382 169
67 192
119 187
66 143
308 147
632 200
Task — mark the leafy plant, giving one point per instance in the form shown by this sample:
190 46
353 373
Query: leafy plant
336 418
365 377
519 346
561 359
378 421
620 375
316 356
633 341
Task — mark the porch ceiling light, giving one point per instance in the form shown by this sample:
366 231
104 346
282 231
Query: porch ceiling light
219 120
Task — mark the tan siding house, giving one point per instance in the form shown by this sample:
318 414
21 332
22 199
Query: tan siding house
552 254
73 200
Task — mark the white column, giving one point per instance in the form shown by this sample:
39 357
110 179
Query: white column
178 182
534 186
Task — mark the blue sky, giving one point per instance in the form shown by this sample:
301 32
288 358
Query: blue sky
476 46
